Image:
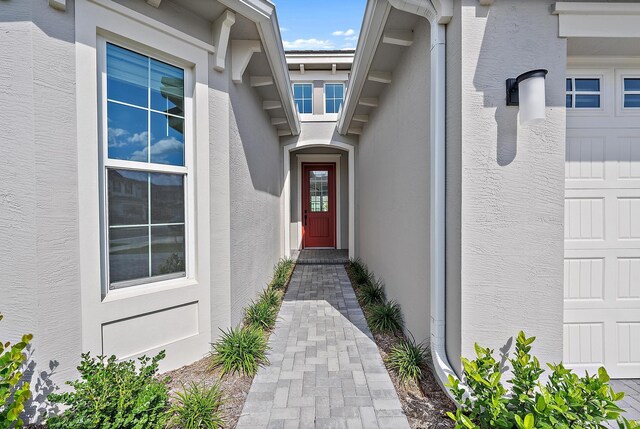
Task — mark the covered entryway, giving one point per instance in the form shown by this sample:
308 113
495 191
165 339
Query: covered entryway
318 205
602 216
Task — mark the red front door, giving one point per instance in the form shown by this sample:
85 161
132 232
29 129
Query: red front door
318 205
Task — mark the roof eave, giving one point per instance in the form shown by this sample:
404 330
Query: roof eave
375 18
263 14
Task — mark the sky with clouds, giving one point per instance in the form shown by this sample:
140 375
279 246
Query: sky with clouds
320 24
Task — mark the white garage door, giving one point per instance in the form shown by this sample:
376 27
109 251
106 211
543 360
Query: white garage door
602 221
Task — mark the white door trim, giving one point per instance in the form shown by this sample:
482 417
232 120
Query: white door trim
333 159
287 149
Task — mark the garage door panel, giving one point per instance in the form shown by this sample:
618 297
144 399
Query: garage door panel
602 245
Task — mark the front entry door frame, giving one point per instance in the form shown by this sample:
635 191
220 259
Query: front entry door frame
327 240
321 159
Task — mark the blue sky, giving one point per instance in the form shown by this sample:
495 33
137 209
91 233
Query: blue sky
320 24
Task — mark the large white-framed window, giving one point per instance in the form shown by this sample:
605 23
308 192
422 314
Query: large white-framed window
333 97
303 97
584 92
146 168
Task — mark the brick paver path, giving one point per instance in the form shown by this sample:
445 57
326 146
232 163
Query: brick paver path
631 401
325 369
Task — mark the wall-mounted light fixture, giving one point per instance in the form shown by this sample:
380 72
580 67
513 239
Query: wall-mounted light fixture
528 92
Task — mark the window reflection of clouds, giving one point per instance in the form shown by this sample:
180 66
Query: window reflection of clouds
136 79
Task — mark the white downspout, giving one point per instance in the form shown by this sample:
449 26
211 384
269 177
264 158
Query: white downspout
441 363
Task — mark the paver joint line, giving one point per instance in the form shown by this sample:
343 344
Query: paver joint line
325 368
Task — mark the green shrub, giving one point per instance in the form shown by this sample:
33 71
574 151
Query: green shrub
261 315
114 395
564 401
271 296
240 350
281 273
407 359
360 272
14 392
197 407
385 317
371 293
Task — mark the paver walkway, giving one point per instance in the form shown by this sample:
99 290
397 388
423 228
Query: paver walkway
325 369
631 400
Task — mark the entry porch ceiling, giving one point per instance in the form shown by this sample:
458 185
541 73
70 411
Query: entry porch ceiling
384 63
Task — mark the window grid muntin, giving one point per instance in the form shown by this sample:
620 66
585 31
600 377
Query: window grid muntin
149 168
334 98
148 109
572 92
319 191
626 92
302 98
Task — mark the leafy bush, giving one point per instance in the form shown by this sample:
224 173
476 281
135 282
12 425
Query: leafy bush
114 395
371 293
407 359
385 317
564 401
261 315
14 392
198 407
281 273
240 350
271 297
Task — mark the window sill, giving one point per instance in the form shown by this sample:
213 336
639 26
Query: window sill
149 288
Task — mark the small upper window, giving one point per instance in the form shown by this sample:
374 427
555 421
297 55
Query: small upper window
631 91
334 97
583 93
303 97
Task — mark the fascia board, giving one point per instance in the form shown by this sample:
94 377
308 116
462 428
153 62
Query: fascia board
375 19
599 8
263 14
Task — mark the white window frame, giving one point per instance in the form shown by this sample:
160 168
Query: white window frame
324 98
172 298
622 75
112 164
293 86
573 92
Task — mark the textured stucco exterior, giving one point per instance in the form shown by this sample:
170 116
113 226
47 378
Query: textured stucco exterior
393 186
511 178
40 291
43 174
254 163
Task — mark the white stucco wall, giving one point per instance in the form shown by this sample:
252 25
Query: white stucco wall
40 197
511 178
255 163
393 186
40 290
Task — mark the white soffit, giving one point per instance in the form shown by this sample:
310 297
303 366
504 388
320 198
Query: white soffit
582 19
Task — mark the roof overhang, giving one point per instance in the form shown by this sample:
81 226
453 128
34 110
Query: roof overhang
375 19
263 14
587 19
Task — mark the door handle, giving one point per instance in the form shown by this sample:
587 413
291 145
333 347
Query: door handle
305 219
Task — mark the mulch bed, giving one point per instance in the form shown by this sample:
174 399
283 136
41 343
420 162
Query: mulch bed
425 404
235 387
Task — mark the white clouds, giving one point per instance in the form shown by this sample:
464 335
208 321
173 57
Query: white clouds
159 150
283 29
346 33
119 137
308 44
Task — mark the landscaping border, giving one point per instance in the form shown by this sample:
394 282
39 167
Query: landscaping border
424 402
